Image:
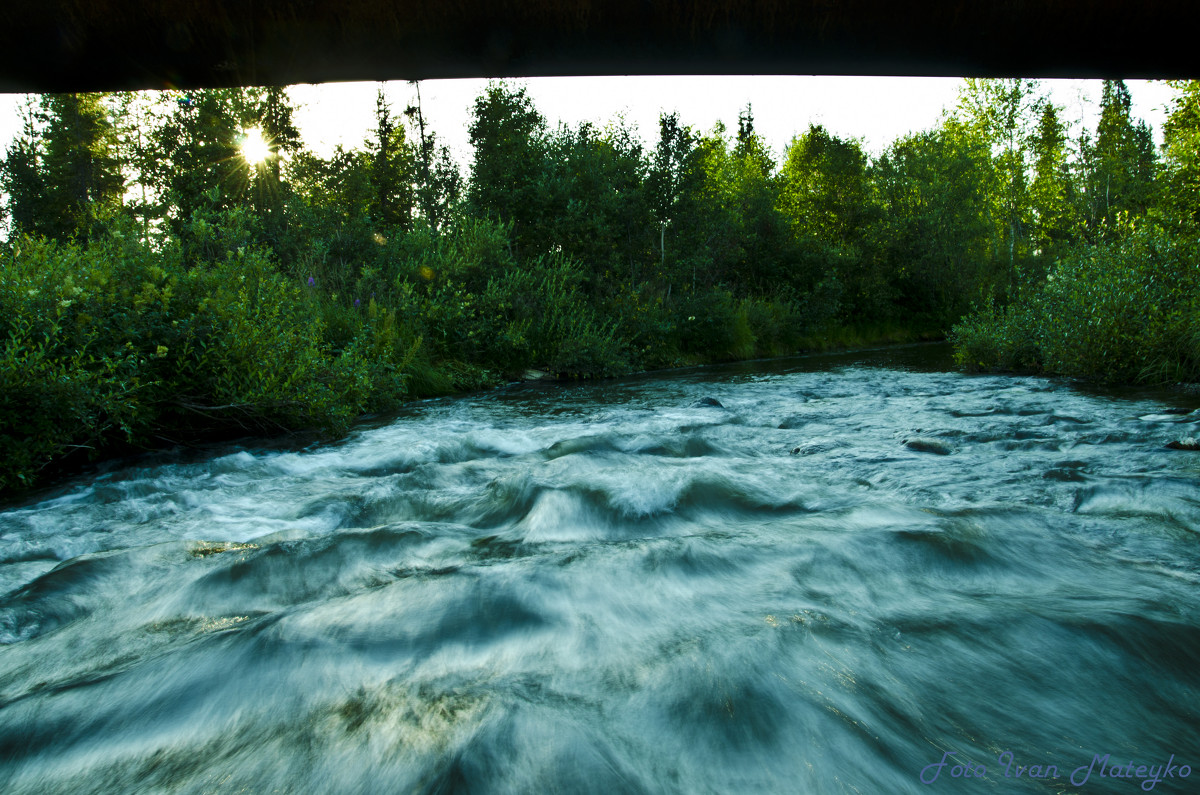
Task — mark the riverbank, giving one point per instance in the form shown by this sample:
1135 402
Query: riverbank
79 461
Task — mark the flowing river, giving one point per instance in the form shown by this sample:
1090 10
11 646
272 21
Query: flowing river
859 573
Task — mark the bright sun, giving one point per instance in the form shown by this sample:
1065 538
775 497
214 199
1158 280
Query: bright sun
254 149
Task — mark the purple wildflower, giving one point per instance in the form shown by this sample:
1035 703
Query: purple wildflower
357 301
311 281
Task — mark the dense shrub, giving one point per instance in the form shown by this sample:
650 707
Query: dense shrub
1122 311
995 337
710 325
533 316
254 353
117 344
73 367
777 326
646 326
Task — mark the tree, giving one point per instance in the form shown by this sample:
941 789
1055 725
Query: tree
1052 193
439 183
717 244
139 113
509 138
1001 113
934 231
825 198
196 164
198 167
270 116
598 211
392 161
1122 162
274 112
824 187
21 178
1181 152
672 183
763 230
63 176
750 146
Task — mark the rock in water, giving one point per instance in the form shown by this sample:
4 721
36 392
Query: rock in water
707 401
1190 443
926 445
812 448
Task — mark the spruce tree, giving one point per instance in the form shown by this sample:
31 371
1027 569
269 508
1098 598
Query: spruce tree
1055 222
1124 160
62 175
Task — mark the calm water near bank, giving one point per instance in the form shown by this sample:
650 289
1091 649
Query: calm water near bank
855 565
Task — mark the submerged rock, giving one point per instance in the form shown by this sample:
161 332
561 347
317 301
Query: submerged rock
926 445
707 401
812 448
1064 474
984 412
1190 443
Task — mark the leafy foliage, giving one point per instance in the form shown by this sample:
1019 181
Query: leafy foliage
159 287
1119 312
1181 147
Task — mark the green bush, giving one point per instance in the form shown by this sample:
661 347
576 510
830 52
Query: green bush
53 403
712 326
1119 312
254 354
646 326
78 370
998 338
532 316
119 345
778 326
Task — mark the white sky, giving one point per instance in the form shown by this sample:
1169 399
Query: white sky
876 109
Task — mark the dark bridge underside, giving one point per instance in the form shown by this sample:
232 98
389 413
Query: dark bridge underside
86 45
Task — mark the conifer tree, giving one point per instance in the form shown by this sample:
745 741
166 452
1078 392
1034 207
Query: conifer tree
392 162
63 176
1124 161
22 179
1055 222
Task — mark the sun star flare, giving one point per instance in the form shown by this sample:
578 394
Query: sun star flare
254 148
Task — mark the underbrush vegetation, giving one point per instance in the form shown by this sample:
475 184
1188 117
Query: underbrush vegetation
112 345
115 346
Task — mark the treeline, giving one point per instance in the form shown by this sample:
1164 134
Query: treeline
159 287
1119 299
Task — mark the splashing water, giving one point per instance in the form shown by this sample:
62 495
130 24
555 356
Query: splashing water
850 567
